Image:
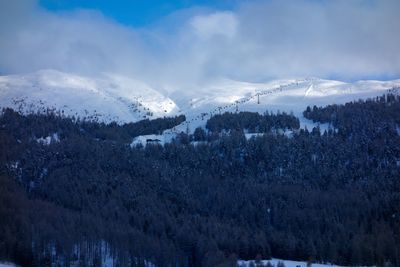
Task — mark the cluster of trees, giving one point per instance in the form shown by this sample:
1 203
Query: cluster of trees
373 115
125 132
33 126
331 196
252 122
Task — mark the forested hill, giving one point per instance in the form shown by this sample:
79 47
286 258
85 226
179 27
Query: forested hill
73 194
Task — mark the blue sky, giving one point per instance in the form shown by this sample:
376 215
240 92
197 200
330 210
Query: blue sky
137 13
181 42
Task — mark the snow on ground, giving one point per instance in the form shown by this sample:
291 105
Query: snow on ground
276 96
7 264
143 140
287 263
116 98
309 124
251 135
54 138
107 98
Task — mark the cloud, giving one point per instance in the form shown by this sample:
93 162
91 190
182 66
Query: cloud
256 40
82 41
218 23
323 38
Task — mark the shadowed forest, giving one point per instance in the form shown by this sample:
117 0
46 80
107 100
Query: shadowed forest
207 198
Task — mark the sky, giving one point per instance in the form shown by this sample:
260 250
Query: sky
178 43
135 13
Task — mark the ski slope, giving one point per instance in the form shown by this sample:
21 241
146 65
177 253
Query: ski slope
281 95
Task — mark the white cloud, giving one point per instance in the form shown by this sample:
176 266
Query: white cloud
257 40
217 23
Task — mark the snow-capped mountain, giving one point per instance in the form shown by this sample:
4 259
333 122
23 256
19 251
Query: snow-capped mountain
108 98
121 99
280 95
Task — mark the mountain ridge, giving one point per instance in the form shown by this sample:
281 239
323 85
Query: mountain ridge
111 97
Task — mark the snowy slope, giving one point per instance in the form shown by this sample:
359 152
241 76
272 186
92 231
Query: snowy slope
281 95
115 98
108 98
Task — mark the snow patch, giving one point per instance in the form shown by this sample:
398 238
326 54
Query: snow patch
288 263
153 139
309 124
7 264
54 138
251 135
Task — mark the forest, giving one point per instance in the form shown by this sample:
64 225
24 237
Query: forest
252 122
315 196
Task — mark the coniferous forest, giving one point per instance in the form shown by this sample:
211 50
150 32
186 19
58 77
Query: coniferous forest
205 199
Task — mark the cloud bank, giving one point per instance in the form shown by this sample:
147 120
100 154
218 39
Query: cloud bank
257 40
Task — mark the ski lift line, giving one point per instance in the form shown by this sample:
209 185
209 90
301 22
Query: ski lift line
237 102
265 92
